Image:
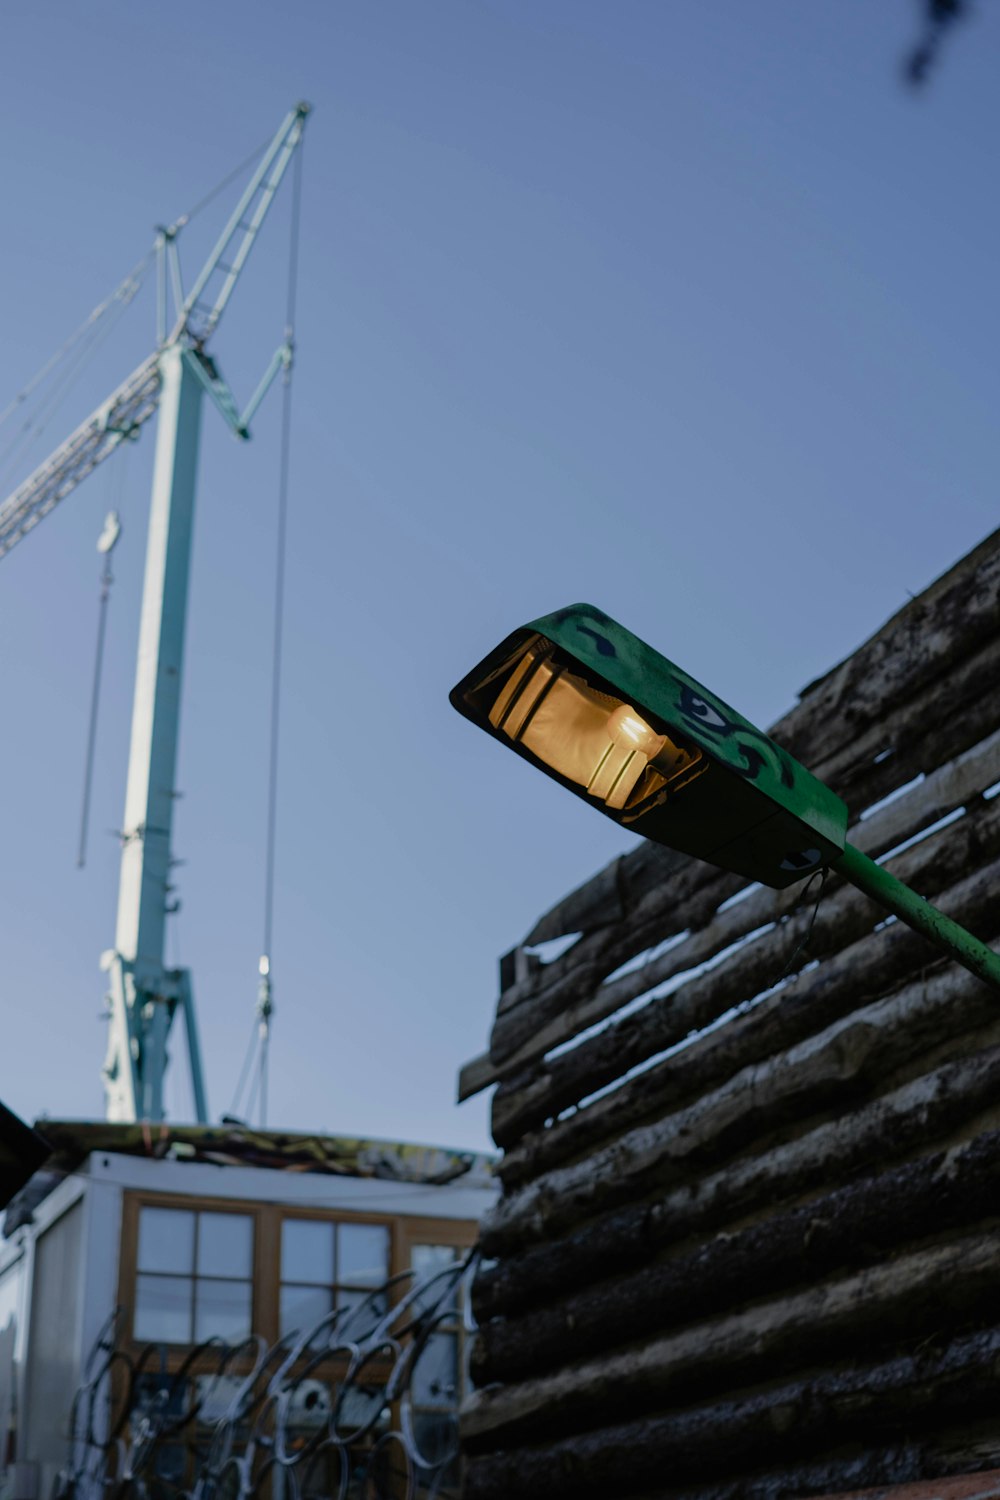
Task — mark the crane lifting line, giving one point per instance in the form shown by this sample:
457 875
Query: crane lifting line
105 546
261 1035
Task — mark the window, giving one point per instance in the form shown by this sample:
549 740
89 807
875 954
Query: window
194 1276
326 1265
193 1268
197 1268
436 1384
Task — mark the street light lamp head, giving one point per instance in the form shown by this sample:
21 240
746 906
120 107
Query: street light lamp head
594 707
621 726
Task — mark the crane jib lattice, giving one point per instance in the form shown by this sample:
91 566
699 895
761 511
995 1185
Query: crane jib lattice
117 418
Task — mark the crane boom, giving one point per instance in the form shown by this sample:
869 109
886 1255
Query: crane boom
237 239
118 417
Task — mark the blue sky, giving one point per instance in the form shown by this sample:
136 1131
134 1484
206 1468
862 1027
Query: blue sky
686 310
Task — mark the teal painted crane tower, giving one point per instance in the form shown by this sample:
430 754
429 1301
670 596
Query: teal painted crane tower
145 995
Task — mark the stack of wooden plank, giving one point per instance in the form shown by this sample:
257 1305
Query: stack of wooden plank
747 1240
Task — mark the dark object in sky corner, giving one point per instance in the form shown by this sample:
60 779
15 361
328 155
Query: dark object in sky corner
939 14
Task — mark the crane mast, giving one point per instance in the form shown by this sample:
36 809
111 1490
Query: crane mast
144 994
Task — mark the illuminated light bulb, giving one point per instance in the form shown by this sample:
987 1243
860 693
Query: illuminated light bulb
633 745
625 724
586 735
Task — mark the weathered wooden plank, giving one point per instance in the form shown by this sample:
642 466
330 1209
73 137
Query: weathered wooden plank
925 732
788 1015
946 789
540 1090
848 1228
831 1069
885 1465
817 1413
688 898
831 1084
899 662
911 1294
961 1096
915 648
535 1017
843 918
956 784
475 1075
964 1484
959 1464
892 1466
602 900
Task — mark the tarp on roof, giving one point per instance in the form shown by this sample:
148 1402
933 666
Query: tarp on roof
237 1145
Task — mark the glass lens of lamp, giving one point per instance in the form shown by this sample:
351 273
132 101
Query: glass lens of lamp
586 735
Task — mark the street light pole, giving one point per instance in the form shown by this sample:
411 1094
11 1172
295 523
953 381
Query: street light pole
951 937
620 725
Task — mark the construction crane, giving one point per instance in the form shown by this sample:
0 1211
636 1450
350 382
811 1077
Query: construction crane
144 994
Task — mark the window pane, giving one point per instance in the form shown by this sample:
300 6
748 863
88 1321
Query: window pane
225 1245
221 1309
170 1463
166 1240
215 1395
426 1259
163 1309
361 1312
435 1436
364 1400
303 1306
435 1374
363 1254
307 1251
430 1262
159 1394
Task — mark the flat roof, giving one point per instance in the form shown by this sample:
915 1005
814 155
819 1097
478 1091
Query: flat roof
234 1144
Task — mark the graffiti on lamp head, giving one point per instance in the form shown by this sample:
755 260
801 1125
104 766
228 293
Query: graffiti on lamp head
572 616
604 646
704 713
756 750
745 749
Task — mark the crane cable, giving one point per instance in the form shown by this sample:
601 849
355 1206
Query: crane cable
123 293
247 162
84 341
105 546
261 1036
83 350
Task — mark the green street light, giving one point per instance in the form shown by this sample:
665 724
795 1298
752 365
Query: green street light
600 711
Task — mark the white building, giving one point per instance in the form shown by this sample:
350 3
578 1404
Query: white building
199 1231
